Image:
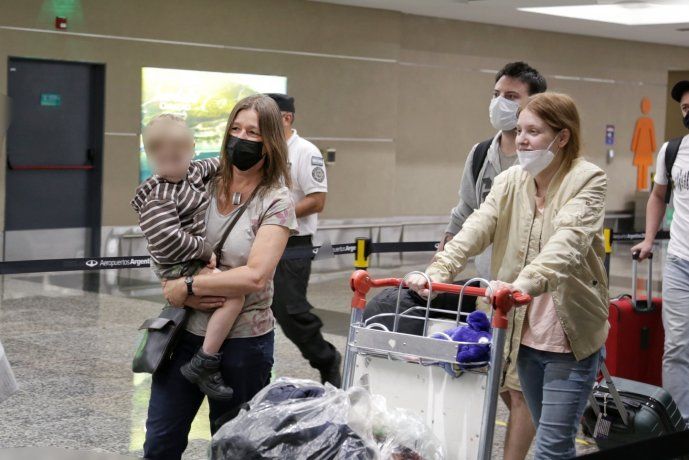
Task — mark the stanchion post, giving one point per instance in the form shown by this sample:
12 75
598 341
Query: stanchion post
607 236
363 251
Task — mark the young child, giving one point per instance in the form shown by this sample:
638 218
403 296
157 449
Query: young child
171 207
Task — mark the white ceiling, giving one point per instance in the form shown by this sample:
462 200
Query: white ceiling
504 12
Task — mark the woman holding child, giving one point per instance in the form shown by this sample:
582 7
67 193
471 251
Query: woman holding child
252 175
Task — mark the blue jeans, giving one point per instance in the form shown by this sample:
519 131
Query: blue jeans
556 387
246 365
676 325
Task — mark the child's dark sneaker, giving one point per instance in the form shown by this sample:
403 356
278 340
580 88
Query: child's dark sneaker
204 371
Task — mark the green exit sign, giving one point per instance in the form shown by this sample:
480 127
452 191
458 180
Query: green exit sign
51 100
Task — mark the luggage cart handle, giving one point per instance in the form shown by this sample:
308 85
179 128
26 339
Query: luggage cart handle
503 300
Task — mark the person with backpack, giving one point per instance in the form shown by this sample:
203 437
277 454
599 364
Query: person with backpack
672 180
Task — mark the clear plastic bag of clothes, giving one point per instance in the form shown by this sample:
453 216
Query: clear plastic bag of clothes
401 435
293 419
302 419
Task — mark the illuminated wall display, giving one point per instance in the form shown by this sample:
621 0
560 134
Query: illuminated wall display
205 99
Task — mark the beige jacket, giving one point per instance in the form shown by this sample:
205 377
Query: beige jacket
570 264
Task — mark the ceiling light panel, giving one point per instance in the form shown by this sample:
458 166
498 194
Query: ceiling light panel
628 13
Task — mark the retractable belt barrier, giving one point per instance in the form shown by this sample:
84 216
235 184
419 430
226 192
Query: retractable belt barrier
362 248
114 263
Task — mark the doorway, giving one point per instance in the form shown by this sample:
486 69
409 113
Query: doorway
53 185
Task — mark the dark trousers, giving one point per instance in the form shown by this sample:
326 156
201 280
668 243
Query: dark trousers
246 366
293 311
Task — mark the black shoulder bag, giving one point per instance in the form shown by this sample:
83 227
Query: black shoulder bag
160 334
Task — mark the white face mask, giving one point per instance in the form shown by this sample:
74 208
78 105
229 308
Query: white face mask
535 161
503 113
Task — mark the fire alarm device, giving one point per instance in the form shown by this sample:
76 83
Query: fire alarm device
330 156
60 23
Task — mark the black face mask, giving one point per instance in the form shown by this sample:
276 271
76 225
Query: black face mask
243 154
686 120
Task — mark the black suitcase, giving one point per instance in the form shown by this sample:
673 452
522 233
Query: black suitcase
622 411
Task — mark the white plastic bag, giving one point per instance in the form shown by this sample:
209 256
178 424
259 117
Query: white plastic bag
8 384
401 435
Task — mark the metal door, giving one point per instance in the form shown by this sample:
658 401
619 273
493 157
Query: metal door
54 159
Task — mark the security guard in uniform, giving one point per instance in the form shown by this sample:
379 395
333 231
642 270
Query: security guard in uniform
290 306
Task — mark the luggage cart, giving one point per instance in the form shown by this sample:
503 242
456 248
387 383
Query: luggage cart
460 411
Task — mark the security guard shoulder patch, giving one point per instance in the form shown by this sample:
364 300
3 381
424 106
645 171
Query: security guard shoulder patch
316 161
318 174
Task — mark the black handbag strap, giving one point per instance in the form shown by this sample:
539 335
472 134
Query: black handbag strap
239 212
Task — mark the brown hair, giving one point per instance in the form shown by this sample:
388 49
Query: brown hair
559 112
275 172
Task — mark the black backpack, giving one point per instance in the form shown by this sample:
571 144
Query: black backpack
480 154
670 156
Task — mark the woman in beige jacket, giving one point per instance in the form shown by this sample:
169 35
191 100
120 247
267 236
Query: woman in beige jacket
545 221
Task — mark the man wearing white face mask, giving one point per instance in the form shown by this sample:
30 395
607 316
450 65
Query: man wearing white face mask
514 83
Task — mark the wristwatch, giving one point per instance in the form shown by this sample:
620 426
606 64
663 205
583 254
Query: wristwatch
189 281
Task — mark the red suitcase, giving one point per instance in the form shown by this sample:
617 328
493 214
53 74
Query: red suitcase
634 349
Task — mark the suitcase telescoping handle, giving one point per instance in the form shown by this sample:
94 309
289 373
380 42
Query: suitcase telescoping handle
649 283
